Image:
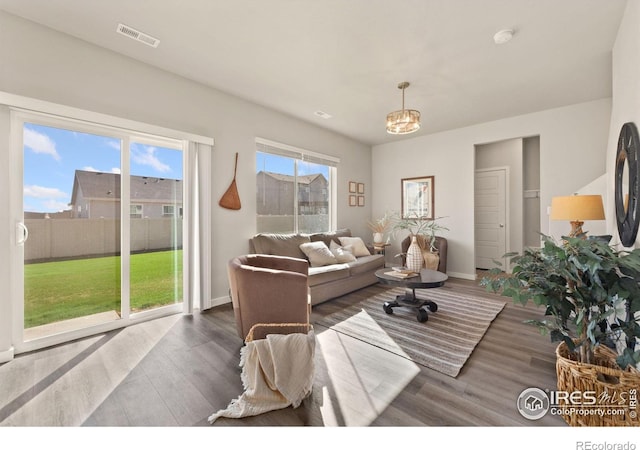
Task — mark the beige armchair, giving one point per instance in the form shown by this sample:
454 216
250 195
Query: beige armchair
268 289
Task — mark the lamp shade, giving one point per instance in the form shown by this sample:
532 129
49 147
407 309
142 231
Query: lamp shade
577 208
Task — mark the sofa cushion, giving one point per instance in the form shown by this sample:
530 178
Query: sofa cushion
318 254
359 247
342 254
330 236
280 244
366 264
325 274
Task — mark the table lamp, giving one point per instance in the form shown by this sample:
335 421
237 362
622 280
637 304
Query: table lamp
577 209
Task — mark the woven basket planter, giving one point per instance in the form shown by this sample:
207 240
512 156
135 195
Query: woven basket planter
606 379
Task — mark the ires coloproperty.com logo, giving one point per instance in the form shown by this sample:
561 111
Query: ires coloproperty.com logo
535 403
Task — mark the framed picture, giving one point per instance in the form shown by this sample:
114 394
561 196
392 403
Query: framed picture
360 188
352 187
417 197
360 200
352 200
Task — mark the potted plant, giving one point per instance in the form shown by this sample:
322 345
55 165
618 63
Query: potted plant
379 227
418 226
591 294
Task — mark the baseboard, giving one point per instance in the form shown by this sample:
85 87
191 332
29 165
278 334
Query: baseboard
464 276
220 301
6 355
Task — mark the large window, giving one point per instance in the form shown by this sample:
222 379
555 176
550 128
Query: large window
73 180
294 193
111 224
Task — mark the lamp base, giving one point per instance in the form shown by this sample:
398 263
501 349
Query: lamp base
576 229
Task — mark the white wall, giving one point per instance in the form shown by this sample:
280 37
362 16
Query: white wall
51 66
626 98
573 140
41 63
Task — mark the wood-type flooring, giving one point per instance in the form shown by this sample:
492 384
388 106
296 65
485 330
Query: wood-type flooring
177 370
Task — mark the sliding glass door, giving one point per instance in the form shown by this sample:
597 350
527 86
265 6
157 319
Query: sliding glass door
156 217
102 229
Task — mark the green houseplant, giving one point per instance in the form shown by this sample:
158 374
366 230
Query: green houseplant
591 294
589 290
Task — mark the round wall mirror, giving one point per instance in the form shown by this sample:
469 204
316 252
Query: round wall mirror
627 184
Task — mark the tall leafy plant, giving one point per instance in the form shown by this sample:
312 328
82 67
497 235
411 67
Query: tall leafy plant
590 292
416 225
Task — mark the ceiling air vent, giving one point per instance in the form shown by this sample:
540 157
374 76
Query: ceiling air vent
137 35
322 114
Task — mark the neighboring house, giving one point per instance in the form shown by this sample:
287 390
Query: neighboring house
97 195
275 194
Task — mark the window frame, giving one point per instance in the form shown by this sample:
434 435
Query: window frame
136 215
168 214
298 155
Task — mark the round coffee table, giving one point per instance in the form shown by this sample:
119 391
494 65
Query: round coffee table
426 279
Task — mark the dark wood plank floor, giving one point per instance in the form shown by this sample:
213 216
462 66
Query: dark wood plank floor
178 370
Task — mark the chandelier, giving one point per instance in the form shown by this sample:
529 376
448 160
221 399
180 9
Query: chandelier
404 121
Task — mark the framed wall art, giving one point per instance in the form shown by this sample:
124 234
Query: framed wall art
417 197
352 200
352 187
360 188
360 200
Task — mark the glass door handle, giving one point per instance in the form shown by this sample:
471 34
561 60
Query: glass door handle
22 233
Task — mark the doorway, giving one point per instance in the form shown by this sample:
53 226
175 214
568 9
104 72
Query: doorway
490 217
507 211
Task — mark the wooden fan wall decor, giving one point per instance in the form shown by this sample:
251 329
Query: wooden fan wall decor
230 199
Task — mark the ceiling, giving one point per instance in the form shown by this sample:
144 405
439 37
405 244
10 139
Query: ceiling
346 57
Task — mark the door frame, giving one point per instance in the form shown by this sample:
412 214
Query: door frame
507 223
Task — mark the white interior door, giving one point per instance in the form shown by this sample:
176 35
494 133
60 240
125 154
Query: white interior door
490 217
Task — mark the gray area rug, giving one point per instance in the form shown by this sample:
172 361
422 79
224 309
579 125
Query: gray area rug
443 343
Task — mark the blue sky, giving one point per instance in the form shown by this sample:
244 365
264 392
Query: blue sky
283 165
52 155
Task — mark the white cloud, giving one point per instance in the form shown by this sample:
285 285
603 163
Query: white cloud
43 192
114 144
115 170
90 169
40 143
53 205
147 157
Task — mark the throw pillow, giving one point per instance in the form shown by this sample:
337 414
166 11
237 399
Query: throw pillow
318 254
342 254
359 248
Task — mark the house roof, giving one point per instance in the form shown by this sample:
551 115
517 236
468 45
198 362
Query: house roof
302 179
103 186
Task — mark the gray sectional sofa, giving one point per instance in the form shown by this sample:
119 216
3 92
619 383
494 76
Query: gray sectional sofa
327 281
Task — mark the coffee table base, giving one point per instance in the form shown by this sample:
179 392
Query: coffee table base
410 300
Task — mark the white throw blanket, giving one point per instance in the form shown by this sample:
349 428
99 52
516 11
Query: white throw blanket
276 372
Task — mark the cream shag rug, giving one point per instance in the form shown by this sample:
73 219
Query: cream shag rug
443 343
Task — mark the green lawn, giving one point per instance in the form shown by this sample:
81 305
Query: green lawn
62 290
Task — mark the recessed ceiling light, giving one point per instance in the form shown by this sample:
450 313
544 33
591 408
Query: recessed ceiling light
503 36
323 114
